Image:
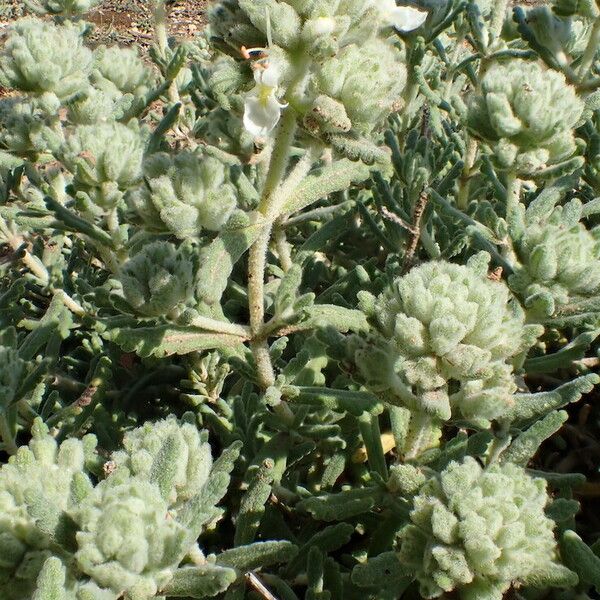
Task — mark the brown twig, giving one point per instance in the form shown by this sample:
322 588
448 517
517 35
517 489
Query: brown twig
415 231
259 586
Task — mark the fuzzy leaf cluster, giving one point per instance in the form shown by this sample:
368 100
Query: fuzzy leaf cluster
40 57
123 537
184 194
526 114
353 75
445 340
559 258
478 531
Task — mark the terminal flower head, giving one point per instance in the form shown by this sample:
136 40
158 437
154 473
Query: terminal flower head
262 108
402 18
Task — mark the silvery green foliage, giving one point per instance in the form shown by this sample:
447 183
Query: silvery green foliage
445 340
193 456
478 531
559 259
40 57
127 540
123 537
526 114
12 368
105 160
97 105
355 75
185 194
30 127
37 481
278 226
343 78
158 279
123 68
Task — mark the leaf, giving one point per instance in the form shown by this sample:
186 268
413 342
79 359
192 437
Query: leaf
226 462
358 148
201 508
166 340
176 63
50 519
57 320
218 259
574 350
200 582
259 554
530 407
340 318
579 557
327 540
576 314
338 400
383 571
333 178
165 466
252 506
50 584
75 223
344 505
161 129
551 574
524 446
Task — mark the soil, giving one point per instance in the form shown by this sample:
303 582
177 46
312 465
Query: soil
128 22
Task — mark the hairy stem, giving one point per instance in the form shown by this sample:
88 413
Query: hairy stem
160 26
591 50
513 204
465 179
258 252
220 326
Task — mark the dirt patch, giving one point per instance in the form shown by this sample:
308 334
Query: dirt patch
128 22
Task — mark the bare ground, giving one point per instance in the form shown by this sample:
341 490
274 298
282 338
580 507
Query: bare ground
128 22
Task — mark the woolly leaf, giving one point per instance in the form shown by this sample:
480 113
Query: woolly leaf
200 581
258 554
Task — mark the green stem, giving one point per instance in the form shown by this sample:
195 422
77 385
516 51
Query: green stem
514 217
220 326
258 252
590 51
498 16
274 195
6 435
160 27
462 200
280 156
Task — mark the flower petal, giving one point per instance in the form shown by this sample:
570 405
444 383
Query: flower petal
407 18
268 77
260 117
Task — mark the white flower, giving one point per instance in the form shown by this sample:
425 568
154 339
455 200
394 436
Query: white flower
324 25
262 109
403 18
